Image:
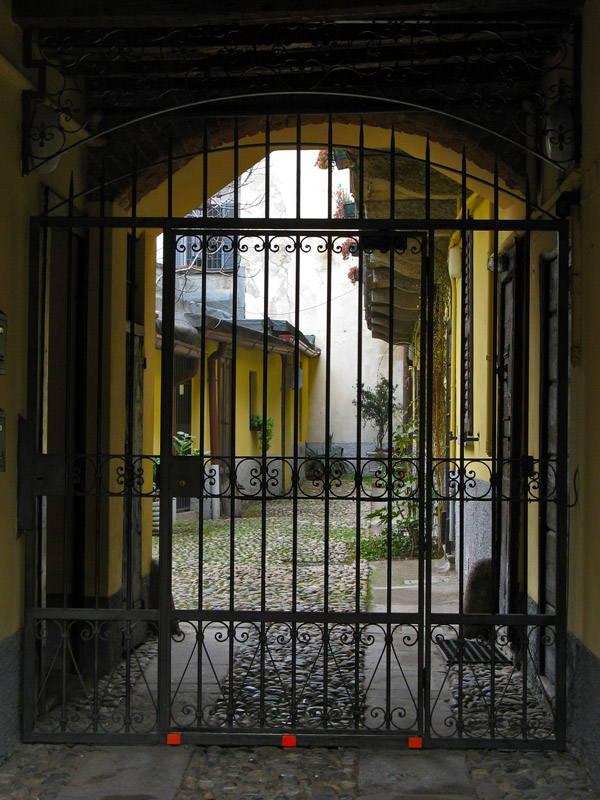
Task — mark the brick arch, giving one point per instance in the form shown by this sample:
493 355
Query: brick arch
482 148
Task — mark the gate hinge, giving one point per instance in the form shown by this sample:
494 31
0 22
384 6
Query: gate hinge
566 201
25 486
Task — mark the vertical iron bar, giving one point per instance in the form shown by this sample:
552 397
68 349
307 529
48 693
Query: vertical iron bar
327 480
359 463
523 468
170 173
166 455
422 456
562 478
128 489
31 542
495 549
425 546
68 387
205 462
467 244
99 387
295 470
264 470
296 462
232 444
265 395
99 442
330 169
429 451
129 422
70 458
390 466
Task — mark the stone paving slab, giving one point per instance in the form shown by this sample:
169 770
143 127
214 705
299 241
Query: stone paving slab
62 772
402 773
393 795
128 773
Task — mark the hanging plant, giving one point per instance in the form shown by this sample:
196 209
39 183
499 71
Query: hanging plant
349 249
353 275
322 161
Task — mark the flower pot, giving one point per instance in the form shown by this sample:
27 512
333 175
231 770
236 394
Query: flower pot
341 159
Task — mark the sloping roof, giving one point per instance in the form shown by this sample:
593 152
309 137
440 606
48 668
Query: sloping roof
249 334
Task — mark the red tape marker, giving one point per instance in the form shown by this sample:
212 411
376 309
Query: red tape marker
288 740
415 742
173 738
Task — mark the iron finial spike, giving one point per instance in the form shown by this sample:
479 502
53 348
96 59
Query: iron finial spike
134 181
102 184
464 182
71 193
205 174
170 175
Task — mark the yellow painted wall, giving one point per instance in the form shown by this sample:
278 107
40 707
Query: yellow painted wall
584 555
21 198
248 360
483 243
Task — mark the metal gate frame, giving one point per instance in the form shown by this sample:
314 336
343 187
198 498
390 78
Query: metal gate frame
58 475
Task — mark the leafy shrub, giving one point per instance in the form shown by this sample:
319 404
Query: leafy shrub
256 424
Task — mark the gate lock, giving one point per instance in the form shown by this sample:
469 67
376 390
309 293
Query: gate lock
186 476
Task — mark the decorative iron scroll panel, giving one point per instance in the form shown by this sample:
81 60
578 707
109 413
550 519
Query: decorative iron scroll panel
303 593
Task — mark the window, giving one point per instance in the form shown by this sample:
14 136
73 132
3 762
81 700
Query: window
253 394
219 249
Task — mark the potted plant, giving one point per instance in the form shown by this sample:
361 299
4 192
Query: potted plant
256 424
345 206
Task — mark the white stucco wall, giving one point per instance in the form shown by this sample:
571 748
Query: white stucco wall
343 343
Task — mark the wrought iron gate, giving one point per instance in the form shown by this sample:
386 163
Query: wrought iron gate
317 607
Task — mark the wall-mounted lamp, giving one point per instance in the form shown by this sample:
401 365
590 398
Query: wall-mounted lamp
46 138
455 262
559 136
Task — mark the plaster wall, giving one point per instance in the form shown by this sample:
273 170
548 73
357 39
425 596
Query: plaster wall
347 317
584 556
22 197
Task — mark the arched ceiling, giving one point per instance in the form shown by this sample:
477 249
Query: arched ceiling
144 73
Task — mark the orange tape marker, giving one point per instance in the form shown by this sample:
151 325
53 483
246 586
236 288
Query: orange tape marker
173 738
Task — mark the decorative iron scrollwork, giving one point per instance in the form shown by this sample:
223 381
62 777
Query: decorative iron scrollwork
510 77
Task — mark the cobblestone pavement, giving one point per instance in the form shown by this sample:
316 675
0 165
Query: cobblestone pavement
38 772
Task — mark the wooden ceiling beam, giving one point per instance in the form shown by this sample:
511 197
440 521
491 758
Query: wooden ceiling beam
177 13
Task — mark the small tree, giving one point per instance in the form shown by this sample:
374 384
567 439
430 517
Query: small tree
400 524
376 408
